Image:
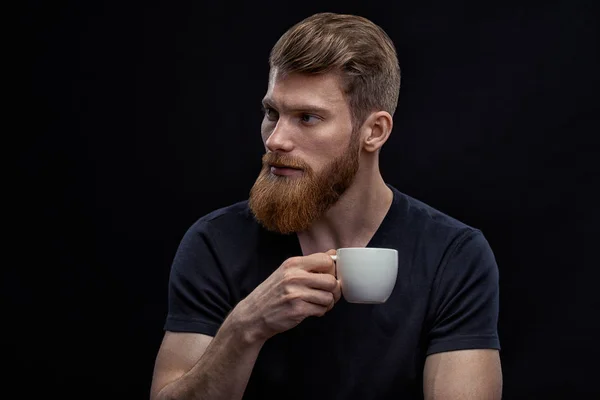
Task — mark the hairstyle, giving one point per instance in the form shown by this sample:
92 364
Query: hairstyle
354 47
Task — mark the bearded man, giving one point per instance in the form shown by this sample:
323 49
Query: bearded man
249 279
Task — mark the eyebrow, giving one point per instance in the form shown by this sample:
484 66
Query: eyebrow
307 108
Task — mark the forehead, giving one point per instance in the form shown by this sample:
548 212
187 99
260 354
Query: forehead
319 90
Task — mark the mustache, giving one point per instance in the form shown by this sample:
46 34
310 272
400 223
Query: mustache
283 161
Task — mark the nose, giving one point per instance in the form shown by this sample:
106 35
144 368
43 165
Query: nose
279 139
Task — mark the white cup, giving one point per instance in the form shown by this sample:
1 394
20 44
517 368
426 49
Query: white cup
367 275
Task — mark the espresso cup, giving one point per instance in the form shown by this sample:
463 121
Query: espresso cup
367 275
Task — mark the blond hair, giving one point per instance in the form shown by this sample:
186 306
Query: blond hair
354 47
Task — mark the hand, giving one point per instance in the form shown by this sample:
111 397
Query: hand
301 287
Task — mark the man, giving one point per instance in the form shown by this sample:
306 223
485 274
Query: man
249 280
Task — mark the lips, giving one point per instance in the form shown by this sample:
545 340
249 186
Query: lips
282 166
284 170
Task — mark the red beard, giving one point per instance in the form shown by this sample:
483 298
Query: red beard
291 204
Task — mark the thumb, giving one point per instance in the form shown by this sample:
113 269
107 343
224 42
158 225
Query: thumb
333 252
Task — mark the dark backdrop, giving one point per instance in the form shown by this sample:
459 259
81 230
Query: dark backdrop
135 119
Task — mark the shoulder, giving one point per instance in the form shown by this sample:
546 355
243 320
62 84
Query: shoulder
422 219
224 230
455 247
229 225
419 212
431 235
232 217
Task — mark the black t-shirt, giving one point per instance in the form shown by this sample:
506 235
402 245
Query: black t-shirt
445 298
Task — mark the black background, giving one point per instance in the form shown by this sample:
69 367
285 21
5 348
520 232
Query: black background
135 119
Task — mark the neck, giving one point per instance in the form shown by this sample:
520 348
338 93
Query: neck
354 219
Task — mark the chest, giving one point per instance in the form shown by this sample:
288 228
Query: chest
355 351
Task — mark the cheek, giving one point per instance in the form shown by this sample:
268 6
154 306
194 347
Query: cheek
265 129
329 146
323 154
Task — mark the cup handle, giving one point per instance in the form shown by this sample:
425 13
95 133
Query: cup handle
334 258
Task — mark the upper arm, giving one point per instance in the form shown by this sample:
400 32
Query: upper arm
463 359
464 302
198 293
198 301
177 354
463 374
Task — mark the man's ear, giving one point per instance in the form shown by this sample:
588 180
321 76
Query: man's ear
376 130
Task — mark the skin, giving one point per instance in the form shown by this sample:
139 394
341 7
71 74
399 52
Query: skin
308 117
293 126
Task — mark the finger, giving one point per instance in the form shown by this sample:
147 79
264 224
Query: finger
319 281
337 295
323 282
333 253
330 306
337 292
318 262
314 310
319 297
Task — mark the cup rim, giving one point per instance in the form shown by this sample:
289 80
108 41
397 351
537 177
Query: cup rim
367 248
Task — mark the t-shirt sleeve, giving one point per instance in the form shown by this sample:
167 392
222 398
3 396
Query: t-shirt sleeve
198 294
465 298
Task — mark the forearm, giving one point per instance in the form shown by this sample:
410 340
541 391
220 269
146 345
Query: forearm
223 370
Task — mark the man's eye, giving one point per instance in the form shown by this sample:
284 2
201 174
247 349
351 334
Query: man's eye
271 114
309 119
